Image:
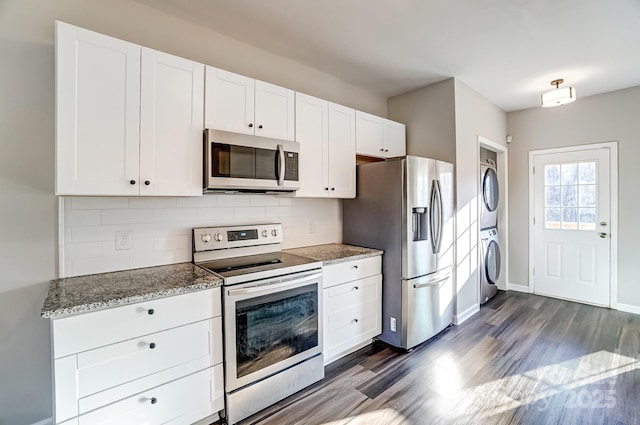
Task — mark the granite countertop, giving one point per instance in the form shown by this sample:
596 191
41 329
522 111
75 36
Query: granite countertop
334 253
82 294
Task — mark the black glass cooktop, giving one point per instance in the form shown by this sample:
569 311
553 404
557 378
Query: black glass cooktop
271 264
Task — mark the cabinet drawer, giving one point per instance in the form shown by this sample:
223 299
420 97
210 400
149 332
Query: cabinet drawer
184 400
86 331
115 364
336 274
352 316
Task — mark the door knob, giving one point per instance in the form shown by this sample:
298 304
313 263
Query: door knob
603 235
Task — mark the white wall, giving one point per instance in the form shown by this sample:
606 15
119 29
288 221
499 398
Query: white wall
161 227
429 114
602 118
29 209
475 116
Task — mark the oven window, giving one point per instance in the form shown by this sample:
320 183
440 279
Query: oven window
272 328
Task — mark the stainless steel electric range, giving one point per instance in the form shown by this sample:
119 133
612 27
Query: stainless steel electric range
272 314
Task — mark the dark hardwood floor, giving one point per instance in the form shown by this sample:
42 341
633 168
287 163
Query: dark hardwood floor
523 359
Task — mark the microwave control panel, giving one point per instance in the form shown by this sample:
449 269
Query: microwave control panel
291 166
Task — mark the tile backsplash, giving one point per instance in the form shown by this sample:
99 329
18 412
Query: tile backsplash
160 228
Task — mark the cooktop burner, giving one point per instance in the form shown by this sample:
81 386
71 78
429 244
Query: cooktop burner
255 264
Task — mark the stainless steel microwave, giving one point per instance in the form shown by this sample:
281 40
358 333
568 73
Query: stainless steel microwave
249 164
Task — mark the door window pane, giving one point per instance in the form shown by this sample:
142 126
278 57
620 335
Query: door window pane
569 173
551 175
587 219
569 218
553 218
587 196
569 196
552 196
587 172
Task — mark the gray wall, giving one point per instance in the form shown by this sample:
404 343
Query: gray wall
29 220
475 116
602 118
429 114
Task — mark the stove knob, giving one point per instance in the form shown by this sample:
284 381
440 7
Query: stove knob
218 237
274 232
205 237
265 233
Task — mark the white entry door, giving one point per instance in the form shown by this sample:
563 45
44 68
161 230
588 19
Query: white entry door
572 209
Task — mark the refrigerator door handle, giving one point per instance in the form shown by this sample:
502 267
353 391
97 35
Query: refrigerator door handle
433 283
440 216
432 223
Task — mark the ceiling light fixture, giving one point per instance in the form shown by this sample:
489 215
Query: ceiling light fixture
559 96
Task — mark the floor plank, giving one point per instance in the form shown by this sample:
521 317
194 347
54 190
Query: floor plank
523 359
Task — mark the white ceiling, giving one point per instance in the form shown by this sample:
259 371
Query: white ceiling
507 50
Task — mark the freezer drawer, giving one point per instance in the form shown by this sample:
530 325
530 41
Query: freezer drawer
427 305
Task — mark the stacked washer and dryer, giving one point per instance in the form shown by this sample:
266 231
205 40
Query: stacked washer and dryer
490 259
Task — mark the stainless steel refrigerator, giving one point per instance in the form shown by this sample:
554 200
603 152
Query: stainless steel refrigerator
404 206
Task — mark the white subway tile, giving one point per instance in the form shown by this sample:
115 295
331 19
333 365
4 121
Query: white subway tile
83 266
68 269
174 215
95 233
154 258
215 213
164 243
278 211
154 203
160 229
137 245
249 212
287 201
82 217
127 216
198 202
234 200
264 201
73 251
67 235
82 203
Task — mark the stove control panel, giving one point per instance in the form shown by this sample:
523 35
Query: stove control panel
211 238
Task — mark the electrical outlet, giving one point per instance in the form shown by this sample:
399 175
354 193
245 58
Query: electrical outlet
392 324
123 240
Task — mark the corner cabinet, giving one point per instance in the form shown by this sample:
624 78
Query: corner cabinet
158 361
240 104
129 119
326 133
352 306
379 137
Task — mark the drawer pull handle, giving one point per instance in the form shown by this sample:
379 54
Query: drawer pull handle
150 311
152 345
154 400
355 320
355 266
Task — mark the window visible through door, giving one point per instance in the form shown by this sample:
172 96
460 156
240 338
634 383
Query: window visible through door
570 196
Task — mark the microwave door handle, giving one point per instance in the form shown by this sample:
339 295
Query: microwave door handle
281 165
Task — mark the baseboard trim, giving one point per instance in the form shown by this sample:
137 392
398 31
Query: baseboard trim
465 315
47 421
519 288
628 308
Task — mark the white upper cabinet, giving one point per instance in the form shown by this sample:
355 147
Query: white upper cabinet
342 151
171 124
327 160
128 119
239 104
379 137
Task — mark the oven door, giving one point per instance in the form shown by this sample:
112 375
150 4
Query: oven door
250 163
271 325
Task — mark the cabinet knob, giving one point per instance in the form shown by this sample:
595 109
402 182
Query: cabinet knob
152 345
150 311
260 126
333 188
250 125
154 400
132 182
355 266
381 149
355 320
356 288
326 188
386 150
147 182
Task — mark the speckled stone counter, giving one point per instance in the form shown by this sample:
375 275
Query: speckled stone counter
334 253
82 294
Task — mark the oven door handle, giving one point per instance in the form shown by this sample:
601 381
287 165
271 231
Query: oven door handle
269 287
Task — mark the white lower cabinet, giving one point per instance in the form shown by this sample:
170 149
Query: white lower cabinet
352 306
170 372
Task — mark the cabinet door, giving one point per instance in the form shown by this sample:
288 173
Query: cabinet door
274 111
394 139
172 103
342 151
229 101
97 113
369 135
311 133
